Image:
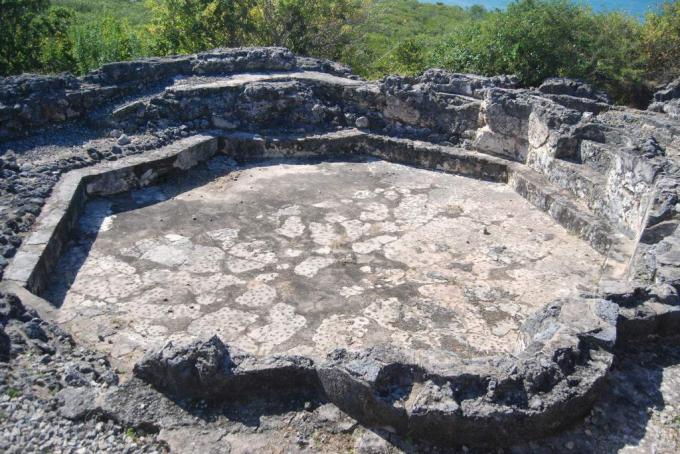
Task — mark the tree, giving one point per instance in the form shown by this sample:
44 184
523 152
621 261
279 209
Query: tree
25 25
186 26
308 27
661 43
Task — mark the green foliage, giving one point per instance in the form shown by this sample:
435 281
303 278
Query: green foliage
24 26
319 28
309 27
131 433
56 45
613 60
185 26
392 29
410 56
661 43
134 12
37 37
103 41
533 39
13 393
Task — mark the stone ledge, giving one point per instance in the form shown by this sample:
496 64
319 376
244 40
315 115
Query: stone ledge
550 383
431 394
32 265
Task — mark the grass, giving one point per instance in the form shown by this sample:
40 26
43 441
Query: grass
131 434
13 393
134 11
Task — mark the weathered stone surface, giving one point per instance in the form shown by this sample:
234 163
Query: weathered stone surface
78 403
607 174
196 370
306 257
575 94
32 101
207 370
667 100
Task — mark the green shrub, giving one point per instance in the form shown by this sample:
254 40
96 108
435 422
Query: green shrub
384 40
613 59
536 39
533 39
186 26
25 28
320 28
103 41
56 45
134 12
661 43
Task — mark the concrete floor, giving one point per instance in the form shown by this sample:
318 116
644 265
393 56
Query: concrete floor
307 257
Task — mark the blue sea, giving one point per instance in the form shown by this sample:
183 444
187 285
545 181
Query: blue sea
634 7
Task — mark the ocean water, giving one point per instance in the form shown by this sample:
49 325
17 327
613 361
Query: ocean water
635 7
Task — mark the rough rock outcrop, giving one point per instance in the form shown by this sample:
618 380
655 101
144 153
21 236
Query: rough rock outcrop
489 401
209 370
608 174
667 99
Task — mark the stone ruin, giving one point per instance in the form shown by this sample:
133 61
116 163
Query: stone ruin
448 256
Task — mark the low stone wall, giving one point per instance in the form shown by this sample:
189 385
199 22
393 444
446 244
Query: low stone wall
550 383
433 395
607 174
33 264
30 102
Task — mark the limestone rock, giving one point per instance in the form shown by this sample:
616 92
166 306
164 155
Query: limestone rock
667 99
195 369
207 369
573 87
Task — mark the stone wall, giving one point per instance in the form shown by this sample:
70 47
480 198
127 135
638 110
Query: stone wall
667 99
606 158
29 102
607 174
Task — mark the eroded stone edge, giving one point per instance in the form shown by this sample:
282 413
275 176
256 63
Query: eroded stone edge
432 394
553 381
33 263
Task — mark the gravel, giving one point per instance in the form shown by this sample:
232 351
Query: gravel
44 360
30 167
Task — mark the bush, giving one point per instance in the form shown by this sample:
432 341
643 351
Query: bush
614 61
661 43
25 28
533 39
320 28
384 41
186 26
103 41
56 44
536 39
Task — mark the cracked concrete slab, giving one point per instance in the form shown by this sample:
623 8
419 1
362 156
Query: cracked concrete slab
305 257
